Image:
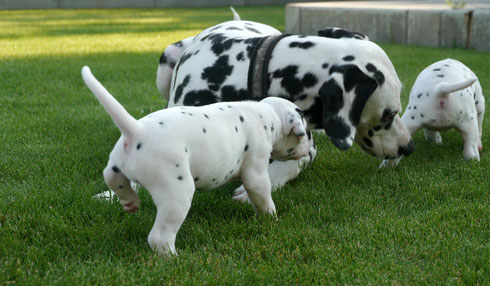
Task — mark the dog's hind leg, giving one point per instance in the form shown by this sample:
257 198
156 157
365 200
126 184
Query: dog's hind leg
121 185
172 197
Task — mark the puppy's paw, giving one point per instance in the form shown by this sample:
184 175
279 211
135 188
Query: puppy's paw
131 206
240 195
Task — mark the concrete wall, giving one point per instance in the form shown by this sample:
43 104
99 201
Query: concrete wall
75 4
422 23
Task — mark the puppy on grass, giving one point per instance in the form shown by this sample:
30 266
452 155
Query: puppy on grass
446 95
175 151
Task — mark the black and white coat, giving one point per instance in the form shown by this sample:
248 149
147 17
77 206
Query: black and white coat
347 87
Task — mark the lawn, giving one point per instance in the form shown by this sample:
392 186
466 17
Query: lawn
343 221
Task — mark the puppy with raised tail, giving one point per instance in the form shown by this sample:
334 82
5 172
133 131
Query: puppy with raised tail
446 95
173 152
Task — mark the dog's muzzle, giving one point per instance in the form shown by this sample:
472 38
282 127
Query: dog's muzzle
407 149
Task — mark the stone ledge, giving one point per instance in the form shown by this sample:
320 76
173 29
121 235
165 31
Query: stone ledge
413 23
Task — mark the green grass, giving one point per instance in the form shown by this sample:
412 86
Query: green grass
343 221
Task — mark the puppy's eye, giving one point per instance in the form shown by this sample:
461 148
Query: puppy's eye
389 117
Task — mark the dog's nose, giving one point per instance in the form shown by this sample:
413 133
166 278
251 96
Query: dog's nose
407 149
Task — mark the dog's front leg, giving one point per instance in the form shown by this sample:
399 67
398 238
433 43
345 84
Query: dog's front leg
282 172
121 185
258 187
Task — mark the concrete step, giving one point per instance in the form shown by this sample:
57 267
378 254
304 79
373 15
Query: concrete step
432 24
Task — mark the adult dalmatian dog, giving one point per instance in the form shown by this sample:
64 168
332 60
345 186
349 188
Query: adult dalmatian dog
446 95
346 86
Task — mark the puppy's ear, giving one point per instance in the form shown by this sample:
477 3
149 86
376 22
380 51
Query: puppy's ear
294 125
344 96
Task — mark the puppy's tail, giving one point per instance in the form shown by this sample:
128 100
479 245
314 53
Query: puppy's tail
128 125
443 89
236 17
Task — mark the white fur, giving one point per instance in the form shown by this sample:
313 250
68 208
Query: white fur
173 152
446 95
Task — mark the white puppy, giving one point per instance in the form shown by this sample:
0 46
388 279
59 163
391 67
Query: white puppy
175 151
446 95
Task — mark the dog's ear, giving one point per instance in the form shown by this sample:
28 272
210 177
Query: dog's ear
294 124
344 96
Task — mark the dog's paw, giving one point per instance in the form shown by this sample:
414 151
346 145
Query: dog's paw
240 195
130 206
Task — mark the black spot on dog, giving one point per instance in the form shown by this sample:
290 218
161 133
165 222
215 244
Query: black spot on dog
196 179
440 75
333 98
215 28
240 57
265 127
186 150
180 88
291 83
300 112
301 97
419 95
163 59
413 117
253 30
161 123
348 58
214 179
337 130
221 108
476 102
251 44
180 178
363 87
325 66
241 118
377 127
246 148
205 115
370 133
378 76
115 169
388 126
422 115
236 129
138 146
315 113
177 165
121 187
301 45
368 142
309 80
229 93
199 97
204 130
415 107
234 28
436 69
337 33
218 72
